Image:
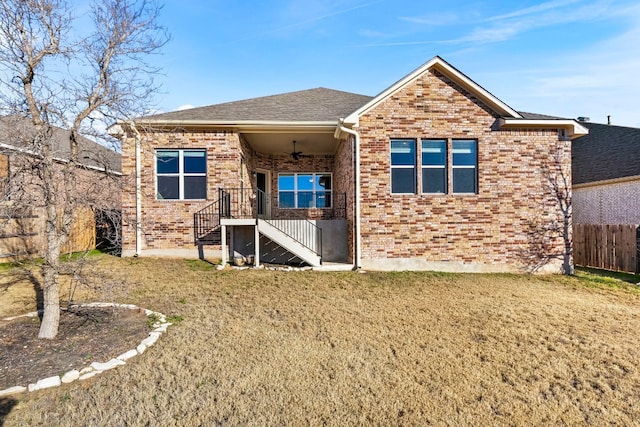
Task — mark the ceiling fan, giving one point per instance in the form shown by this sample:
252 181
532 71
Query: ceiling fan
295 154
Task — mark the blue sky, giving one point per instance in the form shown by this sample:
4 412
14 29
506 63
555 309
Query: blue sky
567 58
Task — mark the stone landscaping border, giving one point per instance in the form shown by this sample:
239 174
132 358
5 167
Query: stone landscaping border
159 326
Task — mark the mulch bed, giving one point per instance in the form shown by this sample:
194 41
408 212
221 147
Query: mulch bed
86 334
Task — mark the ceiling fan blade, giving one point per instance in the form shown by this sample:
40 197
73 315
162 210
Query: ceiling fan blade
295 154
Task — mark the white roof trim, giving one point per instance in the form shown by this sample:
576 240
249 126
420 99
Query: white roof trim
574 128
247 126
603 182
237 123
451 72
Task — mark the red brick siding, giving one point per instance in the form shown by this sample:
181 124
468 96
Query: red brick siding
490 227
286 164
344 182
168 224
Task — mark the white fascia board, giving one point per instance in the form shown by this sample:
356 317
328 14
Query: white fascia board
451 72
245 125
575 129
604 182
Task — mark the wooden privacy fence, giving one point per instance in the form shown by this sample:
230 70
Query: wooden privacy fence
22 233
611 247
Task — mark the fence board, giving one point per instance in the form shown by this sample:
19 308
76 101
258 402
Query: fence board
22 235
611 247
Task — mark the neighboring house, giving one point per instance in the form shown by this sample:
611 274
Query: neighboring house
606 175
22 216
432 173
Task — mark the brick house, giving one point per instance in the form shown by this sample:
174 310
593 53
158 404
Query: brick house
606 175
22 211
432 173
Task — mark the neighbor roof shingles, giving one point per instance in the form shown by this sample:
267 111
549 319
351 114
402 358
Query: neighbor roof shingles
315 105
17 131
607 152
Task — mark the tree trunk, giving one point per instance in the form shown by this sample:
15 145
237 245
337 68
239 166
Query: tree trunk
51 317
567 261
50 270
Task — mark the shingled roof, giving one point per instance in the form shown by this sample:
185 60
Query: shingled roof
607 152
16 134
312 105
536 116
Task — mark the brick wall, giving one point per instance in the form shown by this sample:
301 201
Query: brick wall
277 163
168 224
492 227
22 228
344 182
616 203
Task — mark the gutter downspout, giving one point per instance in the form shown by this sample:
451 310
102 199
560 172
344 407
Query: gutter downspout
357 189
138 191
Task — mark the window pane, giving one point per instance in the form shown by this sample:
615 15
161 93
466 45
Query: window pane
323 199
167 161
464 153
195 187
286 200
403 180
305 182
433 153
168 187
323 182
195 161
286 182
464 180
403 152
305 199
434 180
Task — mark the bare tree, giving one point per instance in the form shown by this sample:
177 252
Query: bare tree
550 234
57 77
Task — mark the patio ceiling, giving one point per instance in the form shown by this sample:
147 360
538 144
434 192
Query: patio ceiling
282 142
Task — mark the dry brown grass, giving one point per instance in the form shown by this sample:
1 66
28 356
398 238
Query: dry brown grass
309 348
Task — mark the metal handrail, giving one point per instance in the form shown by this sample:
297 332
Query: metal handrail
206 220
247 203
251 203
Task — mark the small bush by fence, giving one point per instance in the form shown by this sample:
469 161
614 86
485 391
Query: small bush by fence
611 247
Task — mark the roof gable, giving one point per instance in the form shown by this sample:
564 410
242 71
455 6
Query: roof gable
312 105
445 68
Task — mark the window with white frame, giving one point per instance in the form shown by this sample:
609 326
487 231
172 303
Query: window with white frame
434 166
304 190
403 166
465 165
181 174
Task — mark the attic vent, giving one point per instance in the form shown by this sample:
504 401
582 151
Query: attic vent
583 119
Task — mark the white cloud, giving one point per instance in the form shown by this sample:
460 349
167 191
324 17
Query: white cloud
507 26
554 13
435 19
185 107
542 7
302 14
595 81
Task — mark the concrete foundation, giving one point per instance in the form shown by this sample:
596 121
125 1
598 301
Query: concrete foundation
421 264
